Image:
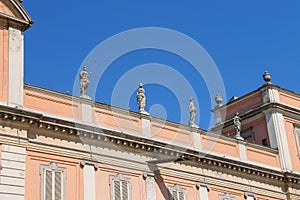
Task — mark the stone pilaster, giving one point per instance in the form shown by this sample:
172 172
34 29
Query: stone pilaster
150 186
270 95
278 137
89 184
86 111
15 67
146 125
250 196
242 150
203 191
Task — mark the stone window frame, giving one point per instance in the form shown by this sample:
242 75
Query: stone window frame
176 188
119 177
53 168
297 137
226 196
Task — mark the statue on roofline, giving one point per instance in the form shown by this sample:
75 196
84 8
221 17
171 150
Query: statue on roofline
193 110
237 126
84 78
141 98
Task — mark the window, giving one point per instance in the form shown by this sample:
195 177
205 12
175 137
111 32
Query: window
120 187
248 135
177 193
264 142
53 182
226 197
297 135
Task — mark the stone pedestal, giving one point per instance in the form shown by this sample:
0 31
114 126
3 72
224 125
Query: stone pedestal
197 140
242 150
146 125
86 110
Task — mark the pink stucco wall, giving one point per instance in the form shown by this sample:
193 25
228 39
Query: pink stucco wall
3 61
74 179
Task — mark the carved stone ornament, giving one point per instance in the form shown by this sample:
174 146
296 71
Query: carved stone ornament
218 100
267 77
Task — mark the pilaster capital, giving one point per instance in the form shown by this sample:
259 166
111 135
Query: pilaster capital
90 163
148 175
250 194
203 185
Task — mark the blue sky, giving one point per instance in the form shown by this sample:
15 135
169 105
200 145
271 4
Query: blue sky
242 38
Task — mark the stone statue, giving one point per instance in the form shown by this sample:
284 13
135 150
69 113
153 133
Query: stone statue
193 110
84 78
237 126
141 98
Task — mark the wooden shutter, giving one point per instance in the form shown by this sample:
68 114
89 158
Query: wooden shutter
48 185
58 189
125 190
117 190
121 190
177 193
120 187
180 195
174 195
298 140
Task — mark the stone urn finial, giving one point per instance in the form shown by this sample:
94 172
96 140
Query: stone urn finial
267 77
218 100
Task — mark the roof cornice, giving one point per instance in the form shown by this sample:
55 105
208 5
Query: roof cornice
26 119
21 19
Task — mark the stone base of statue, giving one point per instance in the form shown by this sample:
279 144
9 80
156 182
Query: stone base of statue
85 96
193 125
238 137
143 112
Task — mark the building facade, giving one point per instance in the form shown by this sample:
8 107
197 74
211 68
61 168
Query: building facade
55 146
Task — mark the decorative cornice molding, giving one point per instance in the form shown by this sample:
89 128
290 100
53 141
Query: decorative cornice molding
258 110
133 143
